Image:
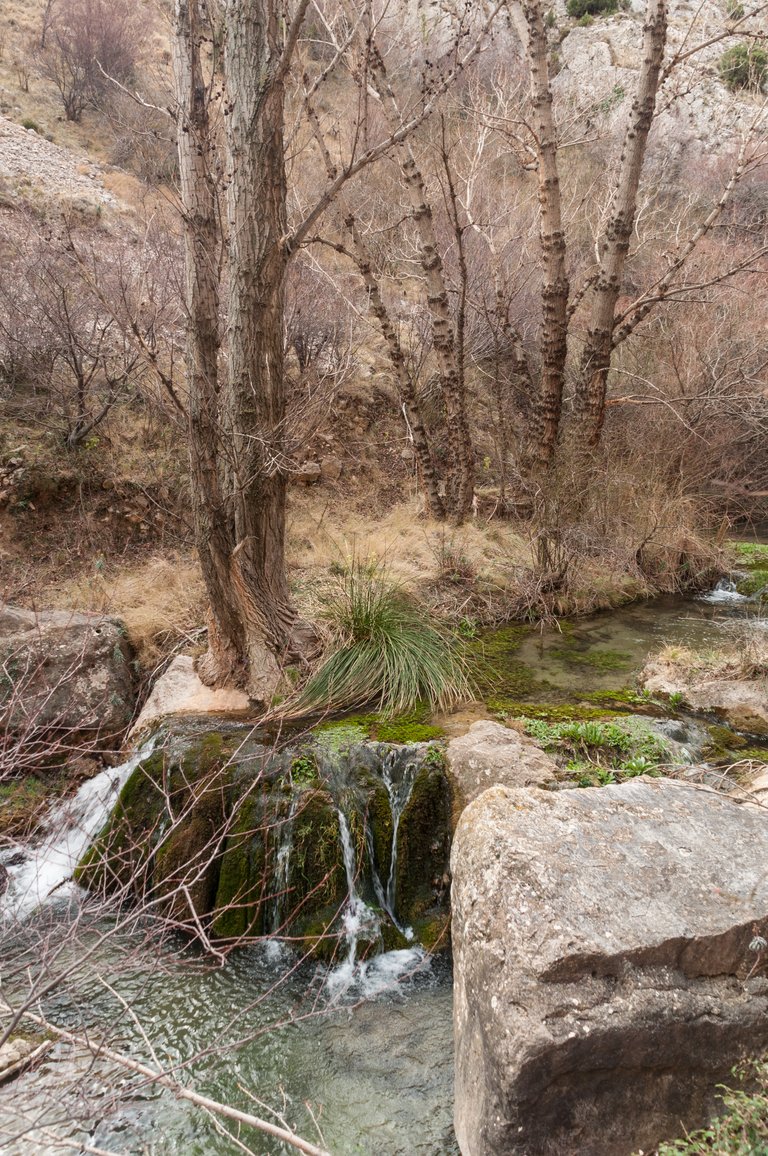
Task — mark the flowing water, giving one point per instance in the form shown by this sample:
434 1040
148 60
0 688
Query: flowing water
358 1056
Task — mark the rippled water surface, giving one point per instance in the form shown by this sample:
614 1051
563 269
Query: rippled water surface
372 1076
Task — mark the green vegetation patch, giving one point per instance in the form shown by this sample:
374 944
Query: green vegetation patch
744 66
742 1129
407 728
580 8
601 660
750 553
600 753
495 670
756 582
508 708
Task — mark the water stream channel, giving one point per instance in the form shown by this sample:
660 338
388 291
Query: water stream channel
356 1055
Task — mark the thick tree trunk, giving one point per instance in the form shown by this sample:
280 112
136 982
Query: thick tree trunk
252 402
545 420
236 426
596 357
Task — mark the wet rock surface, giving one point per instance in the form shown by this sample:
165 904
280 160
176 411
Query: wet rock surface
67 673
242 838
490 754
608 971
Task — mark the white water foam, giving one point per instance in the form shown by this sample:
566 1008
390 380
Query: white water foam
36 873
724 592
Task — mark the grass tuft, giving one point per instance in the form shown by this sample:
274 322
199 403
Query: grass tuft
387 651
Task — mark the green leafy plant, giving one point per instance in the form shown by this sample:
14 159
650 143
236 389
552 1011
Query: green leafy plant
579 8
387 650
745 66
303 770
742 1129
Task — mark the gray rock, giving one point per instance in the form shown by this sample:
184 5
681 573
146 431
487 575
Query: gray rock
490 754
741 703
330 469
68 676
309 472
604 979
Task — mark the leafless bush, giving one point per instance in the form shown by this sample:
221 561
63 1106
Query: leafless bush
87 42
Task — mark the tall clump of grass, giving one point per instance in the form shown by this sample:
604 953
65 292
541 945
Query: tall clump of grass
386 653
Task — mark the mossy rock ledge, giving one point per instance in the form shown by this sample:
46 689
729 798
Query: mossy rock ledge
236 839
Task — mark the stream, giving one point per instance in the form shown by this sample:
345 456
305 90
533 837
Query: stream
358 1055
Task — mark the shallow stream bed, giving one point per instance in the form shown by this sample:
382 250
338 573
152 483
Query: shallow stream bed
367 1071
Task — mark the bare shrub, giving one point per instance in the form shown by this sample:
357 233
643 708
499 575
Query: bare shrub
87 42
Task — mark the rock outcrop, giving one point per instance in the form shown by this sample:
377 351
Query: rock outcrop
256 845
181 691
741 703
490 754
68 675
609 964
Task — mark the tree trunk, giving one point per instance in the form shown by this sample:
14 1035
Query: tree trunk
596 357
236 426
545 420
461 458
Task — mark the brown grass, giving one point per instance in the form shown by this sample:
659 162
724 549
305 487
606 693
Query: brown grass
161 602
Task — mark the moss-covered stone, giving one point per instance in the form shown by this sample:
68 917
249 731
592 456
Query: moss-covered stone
553 712
755 582
423 844
204 834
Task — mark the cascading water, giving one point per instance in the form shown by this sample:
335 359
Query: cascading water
36 873
399 794
724 591
360 921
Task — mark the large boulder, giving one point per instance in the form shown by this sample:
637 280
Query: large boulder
609 966
490 754
66 675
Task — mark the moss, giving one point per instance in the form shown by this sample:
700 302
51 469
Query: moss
380 825
495 670
603 660
433 931
423 843
408 728
754 583
316 866
239 904
551 712
21 802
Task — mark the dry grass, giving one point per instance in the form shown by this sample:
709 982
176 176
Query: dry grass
746 658
161 602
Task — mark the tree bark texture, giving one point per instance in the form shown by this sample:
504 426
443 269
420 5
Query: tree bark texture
236 424
460 452
547 410
596 356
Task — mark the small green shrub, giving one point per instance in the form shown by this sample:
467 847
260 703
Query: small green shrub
580 8
742 1129
29 123
745 66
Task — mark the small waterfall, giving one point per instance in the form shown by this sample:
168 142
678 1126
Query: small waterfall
399 794
724 591
36 873
282 867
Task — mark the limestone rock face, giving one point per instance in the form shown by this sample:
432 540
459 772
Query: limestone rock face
604 978
490 754
742 703
180 691
68 672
